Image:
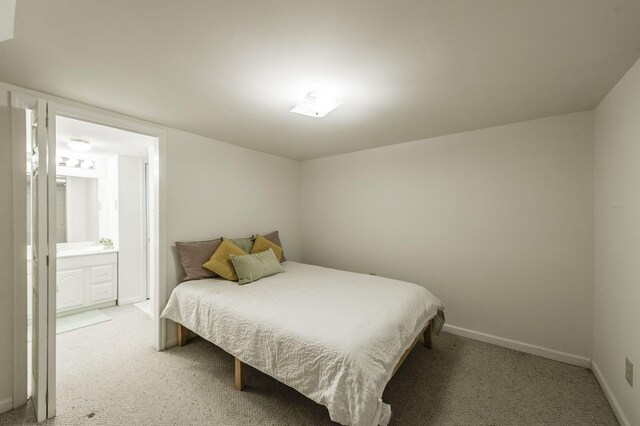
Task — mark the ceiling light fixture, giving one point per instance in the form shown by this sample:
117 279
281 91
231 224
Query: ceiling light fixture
79 145
317 104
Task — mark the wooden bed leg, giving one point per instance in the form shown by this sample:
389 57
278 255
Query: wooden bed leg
183 332
427 336
239 375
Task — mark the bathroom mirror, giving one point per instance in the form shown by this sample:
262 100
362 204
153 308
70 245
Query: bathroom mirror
77 209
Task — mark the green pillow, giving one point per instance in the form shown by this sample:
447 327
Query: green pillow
245 244
252 267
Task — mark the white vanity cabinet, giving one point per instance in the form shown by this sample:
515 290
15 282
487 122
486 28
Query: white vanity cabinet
69 289
86 281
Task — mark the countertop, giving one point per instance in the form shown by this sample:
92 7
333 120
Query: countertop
83 252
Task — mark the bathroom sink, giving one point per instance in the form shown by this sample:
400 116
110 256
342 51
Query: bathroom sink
73 249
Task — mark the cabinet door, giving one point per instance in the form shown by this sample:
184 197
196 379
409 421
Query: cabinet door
70 289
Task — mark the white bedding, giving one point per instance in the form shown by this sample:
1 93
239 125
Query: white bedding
334 336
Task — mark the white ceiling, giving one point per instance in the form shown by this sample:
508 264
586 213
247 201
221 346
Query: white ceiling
105 141
407 70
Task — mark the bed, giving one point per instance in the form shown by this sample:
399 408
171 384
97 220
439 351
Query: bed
336 337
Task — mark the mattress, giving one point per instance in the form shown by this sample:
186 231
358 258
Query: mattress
332 335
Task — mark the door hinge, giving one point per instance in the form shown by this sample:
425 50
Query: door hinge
47 260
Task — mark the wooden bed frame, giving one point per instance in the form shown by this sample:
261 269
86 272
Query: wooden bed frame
239 378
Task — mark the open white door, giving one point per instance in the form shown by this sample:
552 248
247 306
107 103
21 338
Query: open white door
41 255
52 264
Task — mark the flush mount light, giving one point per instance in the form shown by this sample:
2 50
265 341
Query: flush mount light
317 104
79 145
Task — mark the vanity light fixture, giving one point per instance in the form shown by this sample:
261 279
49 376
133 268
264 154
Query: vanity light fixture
76 163
79 145
317 104
87 164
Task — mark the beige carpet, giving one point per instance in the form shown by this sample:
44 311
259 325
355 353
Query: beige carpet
108 374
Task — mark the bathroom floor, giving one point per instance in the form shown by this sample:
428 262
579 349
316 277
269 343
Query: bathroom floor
145 307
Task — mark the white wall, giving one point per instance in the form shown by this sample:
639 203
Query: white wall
495 222
213 189
216 189
617 241
132 249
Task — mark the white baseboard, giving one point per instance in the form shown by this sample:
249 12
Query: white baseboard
612 399
6 405
131 300
520 346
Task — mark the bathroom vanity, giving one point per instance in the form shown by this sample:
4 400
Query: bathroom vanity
86 280
87 272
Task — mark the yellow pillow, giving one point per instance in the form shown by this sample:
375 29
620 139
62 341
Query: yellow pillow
262 244
220 261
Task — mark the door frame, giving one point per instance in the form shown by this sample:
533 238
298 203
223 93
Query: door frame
63 107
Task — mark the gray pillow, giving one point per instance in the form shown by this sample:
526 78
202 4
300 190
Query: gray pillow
246 244
252 267
275 239
194 254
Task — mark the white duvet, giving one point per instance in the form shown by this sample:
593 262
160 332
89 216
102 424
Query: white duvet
334 336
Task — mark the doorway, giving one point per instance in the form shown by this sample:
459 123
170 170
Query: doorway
86 207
